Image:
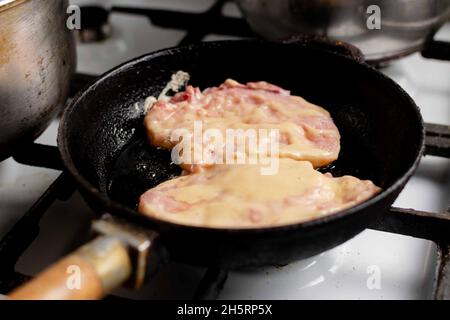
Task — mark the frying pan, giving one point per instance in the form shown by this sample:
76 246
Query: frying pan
103 146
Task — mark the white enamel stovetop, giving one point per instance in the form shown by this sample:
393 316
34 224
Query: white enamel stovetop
374 265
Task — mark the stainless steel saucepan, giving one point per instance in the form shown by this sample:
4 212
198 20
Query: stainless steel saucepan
406 25
37 58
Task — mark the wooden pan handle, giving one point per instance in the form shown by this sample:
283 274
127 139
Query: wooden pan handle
87 274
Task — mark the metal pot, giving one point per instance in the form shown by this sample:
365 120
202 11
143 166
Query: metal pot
406 25
37 58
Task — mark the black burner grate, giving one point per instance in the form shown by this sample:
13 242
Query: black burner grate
426 225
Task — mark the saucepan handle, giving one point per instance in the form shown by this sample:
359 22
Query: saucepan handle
435 49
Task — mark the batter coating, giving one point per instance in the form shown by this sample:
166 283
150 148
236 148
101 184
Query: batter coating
238 196
307 132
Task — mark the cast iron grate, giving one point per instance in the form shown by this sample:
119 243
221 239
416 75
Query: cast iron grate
426 225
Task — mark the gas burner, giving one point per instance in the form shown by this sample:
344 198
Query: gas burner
95 25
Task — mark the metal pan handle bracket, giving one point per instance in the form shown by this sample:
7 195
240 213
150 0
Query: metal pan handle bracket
138 241
116 256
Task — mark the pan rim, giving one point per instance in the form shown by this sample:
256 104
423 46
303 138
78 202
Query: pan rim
113 206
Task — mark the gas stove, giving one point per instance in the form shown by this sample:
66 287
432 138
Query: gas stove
373 265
